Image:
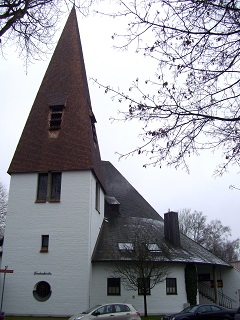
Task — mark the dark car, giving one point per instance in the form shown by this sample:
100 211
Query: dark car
237 315
203 311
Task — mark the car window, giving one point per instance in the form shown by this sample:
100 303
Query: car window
122 308
216 308
90 309
204 309
111 308
189 309
102 310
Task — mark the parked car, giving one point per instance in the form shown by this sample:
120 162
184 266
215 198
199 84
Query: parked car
117 311
237 314
203 311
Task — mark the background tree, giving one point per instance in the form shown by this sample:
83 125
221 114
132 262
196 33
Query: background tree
213 236
193 225
3 208
30 25
142 269
191 100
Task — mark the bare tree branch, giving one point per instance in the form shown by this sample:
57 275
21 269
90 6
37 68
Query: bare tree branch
191 102
143 269
3 208
30 25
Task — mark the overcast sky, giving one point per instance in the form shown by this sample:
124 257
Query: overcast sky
164 188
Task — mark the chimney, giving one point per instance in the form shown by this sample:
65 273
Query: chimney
171 227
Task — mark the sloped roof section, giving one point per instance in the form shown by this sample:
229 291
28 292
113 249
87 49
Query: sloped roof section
134 213
122 230
131 202
74 145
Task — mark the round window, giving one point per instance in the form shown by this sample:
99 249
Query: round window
42 291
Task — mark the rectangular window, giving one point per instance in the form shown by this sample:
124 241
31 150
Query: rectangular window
144 286
204 277
49 187
97 197
45 243
171 286
113 287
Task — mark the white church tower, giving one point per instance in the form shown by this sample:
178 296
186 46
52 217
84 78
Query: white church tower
56 198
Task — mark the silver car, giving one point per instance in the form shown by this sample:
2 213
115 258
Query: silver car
120 311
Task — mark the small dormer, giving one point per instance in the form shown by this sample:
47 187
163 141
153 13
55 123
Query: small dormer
111 207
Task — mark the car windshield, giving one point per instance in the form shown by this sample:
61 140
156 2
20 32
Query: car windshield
91 309
189 309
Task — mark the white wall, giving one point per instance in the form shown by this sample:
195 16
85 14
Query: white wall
231 282
158 301
73 226
69 225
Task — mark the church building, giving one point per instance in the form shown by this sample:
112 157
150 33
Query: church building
70 214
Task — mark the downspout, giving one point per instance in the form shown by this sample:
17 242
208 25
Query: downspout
215 284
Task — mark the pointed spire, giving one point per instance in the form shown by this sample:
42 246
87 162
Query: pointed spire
59 134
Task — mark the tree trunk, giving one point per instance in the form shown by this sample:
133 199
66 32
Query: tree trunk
145 305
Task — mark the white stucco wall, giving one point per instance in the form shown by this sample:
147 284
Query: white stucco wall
231 282
72 226
158 302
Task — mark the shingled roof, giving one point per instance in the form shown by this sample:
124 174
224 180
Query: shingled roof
122 230
74 145
131 203
134 210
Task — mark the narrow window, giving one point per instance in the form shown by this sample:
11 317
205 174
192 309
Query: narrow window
56 113
97 197
113 287
93 121
171 286
42 187
45 243
144 286
56 186
94 133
